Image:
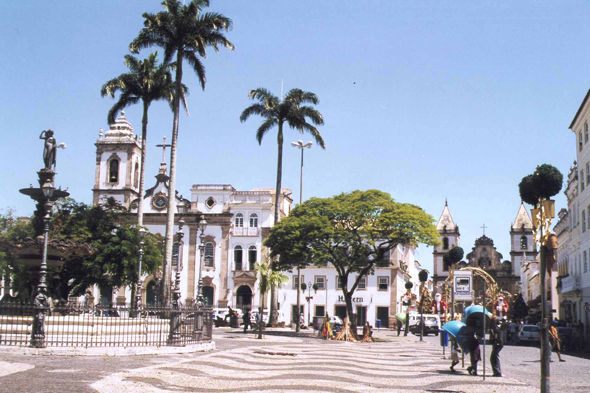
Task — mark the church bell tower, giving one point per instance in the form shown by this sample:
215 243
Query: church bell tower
449 237
522 244
118 159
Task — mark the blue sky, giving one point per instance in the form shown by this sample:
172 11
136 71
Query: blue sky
425 100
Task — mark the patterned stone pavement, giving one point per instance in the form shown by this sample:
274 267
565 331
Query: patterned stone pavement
287 364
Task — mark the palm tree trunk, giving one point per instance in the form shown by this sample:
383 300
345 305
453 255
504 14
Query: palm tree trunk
273 290
144 123
167 268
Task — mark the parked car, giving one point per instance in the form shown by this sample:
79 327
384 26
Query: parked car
221 316
528 333
431 324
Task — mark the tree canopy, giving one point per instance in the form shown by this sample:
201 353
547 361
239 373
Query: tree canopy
545 182
351 232
454 255
109 232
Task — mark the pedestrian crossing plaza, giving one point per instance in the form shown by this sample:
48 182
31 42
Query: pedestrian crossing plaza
289 364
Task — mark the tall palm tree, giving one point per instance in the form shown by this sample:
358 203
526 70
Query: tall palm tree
184 32
146 81
276 112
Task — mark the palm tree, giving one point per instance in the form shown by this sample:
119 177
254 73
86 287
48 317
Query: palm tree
183 31
267 281
146 81
276 112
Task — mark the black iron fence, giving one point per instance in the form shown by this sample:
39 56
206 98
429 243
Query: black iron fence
79 325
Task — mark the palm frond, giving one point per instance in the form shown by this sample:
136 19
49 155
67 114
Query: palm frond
197 66
254 109
265 127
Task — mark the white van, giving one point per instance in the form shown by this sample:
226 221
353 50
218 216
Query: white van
431 324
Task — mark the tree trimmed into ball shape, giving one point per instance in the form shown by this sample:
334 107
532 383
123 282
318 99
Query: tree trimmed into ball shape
527 190
547 181
453 256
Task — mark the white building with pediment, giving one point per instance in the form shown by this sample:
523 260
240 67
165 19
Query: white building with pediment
238 222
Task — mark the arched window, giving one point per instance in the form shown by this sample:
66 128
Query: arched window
114 171
136 176
239 221
253 220
209 255
445 243
252 254
524 244
238 257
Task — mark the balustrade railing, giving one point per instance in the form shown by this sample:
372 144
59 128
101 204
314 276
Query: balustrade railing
78 325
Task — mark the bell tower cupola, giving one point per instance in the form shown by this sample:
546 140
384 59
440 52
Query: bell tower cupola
118 159
449 237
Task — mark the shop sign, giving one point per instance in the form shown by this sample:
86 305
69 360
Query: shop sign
354 299
463 286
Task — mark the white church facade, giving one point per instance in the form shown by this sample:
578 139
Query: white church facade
238 222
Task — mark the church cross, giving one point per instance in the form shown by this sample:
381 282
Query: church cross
484 229
163 146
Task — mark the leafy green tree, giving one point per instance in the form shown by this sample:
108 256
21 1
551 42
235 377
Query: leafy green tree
276 112
146 82
11 229
544 183
184 32
110 235
454 255
114 239
350 232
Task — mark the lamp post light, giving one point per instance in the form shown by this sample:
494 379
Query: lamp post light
180 235
542 216
308 298
38 330
423 277
301 146
409 286
202 227
174 335
142 232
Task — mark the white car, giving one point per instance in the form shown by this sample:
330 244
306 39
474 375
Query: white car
528 333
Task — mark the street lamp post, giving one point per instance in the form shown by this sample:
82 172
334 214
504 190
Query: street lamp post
308 298
301 146
142 232
174 335
38 330
542 216
202 227
423 277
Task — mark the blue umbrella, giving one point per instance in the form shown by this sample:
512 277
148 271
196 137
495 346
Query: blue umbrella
457 329
476 311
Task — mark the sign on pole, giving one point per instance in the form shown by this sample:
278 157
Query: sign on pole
463 286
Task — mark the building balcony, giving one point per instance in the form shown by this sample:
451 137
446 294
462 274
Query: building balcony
570 283
243 231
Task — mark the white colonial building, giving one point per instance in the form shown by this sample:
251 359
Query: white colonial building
238 222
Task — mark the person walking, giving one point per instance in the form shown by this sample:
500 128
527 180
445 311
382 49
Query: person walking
497 345
454 355
555 342
474 354
246 320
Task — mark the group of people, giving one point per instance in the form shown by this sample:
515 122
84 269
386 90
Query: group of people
475 351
